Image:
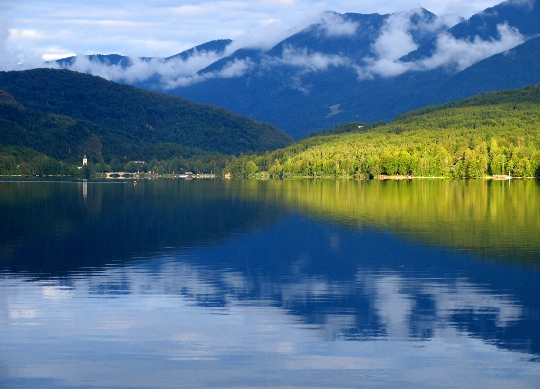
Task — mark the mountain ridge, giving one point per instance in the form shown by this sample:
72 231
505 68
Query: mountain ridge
372 66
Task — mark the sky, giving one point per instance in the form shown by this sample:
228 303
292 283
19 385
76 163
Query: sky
35 30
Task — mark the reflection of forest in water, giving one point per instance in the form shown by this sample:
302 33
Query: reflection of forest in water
50 227
499 219
91 223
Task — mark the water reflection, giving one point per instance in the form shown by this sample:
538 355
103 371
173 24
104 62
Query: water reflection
56 227
271 298
499 219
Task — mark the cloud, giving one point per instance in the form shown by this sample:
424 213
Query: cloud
232 69
271 32
395 39
141 69
463 53
13 57
450 52
171 72
333 24
308 62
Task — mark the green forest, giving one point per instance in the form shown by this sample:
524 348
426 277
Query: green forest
490 134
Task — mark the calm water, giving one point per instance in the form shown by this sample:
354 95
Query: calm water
212 284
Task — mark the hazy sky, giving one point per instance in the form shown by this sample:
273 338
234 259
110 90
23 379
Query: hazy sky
33 30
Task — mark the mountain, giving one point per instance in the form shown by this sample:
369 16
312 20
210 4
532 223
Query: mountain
310 81
63 113
349 67
372 67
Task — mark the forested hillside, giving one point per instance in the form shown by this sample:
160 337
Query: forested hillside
125 118
490 134
33 142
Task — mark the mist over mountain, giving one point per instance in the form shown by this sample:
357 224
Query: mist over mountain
347 67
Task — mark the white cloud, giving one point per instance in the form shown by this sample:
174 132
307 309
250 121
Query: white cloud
309 62
463 53
382 67
450 52
234 68
333 24
395 39
270 33
141 70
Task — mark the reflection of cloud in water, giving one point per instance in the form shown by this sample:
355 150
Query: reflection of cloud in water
393 305
465 296
394 301
392 295
158 319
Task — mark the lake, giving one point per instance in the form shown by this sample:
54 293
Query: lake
269 284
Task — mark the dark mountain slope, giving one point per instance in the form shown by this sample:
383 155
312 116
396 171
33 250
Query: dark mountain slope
218 46
57 136
512 69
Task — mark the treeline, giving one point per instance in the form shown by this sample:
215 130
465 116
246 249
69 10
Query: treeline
200 163
27 162
456 141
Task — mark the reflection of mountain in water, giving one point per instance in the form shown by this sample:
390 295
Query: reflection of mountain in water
50 227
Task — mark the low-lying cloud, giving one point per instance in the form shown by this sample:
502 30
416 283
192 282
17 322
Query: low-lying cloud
450 52
306 61
397 38
463 53
232 69
139 70
333 24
